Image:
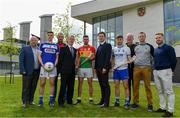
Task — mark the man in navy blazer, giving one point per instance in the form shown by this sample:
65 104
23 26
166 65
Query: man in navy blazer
102 66
29 68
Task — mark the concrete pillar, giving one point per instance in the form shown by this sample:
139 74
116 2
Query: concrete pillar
8 33
84 27
46 25
25 30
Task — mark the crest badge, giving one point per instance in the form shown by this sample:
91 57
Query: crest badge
141 11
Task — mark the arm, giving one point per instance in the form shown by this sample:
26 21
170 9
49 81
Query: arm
56 62
77 61
172 56
21 61
107 57
40 59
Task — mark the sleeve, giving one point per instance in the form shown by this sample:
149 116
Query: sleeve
151 49
93 49
113 55
21 61
108 56
173 59
128 51
40 48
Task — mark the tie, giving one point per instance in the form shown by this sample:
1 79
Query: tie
72 51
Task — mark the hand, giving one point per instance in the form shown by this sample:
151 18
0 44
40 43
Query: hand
104 70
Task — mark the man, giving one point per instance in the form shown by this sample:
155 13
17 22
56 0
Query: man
29 68
130 38
164 66
48 53
67 66
60 43
142 70
85 55
102 66
121 58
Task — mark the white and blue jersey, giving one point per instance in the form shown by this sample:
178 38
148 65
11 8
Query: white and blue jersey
121 54
48 52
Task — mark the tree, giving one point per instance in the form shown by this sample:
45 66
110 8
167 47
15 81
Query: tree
62 23
8 46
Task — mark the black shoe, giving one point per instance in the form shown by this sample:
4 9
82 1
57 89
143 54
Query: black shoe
167 114
100 103
134 106
91 102
103 106
150 108
160 110
61 105
116 104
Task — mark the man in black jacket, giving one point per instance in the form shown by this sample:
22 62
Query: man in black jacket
67 59
102 66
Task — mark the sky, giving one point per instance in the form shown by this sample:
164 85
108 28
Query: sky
16 11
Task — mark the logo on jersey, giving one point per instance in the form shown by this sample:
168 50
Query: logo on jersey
49 50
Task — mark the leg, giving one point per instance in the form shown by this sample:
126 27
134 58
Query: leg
80 83
136 79
117 91
147 80
159 86
126 88
90 81
34 85
62 88
70 88
56 82
25 89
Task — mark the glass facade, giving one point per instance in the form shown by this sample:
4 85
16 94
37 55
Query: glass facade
111 24
172 21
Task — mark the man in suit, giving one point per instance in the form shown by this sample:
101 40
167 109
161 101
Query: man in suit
60 44
67 59
29 68
102 66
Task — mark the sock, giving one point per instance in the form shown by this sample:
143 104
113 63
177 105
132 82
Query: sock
117 100
90 98
127 100
40 99
51 97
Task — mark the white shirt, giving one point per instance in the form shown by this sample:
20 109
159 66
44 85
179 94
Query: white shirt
121 53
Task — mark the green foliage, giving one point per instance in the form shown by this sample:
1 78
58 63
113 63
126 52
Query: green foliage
62 23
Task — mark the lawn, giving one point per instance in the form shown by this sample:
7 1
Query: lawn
10 103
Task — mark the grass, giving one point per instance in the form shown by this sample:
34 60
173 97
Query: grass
10 103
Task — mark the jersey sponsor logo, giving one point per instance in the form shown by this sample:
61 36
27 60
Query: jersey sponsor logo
49 50
50 46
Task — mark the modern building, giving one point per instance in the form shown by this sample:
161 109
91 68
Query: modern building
119 17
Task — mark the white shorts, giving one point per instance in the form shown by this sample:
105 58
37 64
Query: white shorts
85 72
45 74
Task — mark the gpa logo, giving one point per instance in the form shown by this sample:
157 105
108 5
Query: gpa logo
141 11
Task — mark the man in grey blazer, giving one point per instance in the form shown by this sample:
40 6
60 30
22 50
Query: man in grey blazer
29 68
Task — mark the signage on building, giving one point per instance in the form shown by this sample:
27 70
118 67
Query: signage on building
141 11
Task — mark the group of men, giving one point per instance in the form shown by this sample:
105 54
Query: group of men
129 63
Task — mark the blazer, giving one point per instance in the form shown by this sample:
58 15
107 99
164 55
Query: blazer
67 60
26 60
103 56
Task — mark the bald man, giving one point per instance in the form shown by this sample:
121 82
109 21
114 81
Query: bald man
29 68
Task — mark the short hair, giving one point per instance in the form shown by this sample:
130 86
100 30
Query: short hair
120 36
159 34
50 32
85 36
102 33
142 33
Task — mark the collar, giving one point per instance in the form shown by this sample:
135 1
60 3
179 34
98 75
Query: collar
102 42
142 43
70 46
161 45
119 46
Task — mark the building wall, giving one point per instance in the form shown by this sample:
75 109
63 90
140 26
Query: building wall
150 23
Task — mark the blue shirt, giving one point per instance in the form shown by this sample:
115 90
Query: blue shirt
164 57
48 52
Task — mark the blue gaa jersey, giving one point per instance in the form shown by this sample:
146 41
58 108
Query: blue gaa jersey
121 56
48 52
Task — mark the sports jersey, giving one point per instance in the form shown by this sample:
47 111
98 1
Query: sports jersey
120 54
48 52
84 52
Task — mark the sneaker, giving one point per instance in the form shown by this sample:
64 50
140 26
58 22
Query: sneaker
126 106
116 104
160 110
77 102
51 104
40 103
167 114
134 106
24 105
91 101
150 108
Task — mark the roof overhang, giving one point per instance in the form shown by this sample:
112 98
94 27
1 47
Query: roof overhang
88 10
